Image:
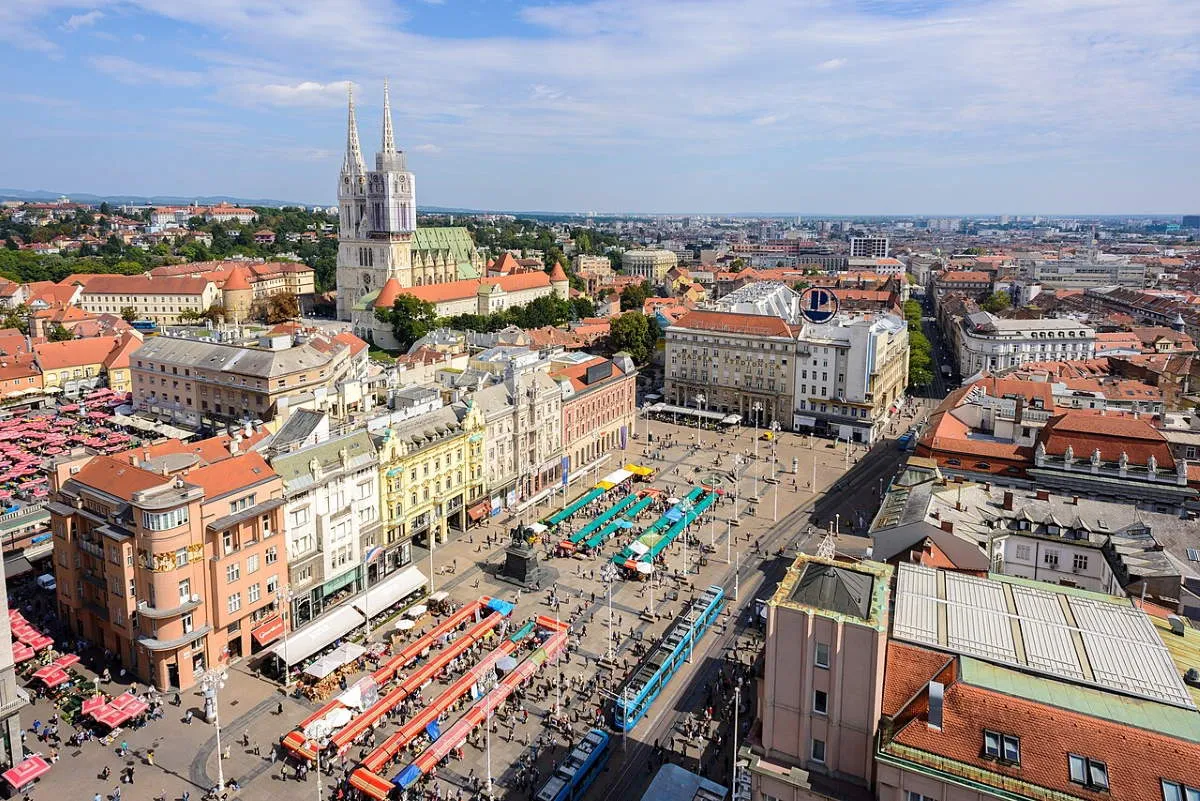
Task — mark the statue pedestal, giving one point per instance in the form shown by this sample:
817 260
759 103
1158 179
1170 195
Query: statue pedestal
521 566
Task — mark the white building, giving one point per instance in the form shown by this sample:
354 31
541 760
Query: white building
1089 270
332 496
987 342
850 376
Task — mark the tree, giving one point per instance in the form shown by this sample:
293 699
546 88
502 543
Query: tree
630 333
996 302
583 307
105 209
912 313
737 264
411 318
17 318
920 359
129 313
59 334
282 306
633 297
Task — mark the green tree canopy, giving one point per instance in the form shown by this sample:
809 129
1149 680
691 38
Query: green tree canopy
634 333
996 302
129 313
633 297
59 334
411 318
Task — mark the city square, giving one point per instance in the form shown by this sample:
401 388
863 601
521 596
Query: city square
611 621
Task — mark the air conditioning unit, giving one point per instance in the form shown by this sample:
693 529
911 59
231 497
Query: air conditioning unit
195 598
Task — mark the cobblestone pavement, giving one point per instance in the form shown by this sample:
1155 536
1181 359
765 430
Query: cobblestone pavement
254 713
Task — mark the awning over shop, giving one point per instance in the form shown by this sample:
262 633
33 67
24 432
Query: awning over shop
334 660
479 510
638 470
303 643
805 420
16 566
269 631
616 477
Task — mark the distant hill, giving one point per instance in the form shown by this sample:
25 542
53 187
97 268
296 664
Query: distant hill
155 200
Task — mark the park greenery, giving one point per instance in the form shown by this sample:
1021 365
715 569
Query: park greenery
996 302
920 351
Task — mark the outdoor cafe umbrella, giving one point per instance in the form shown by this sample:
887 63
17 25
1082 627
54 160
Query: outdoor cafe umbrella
417 611
405 625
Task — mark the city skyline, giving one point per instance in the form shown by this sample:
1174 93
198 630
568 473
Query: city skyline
873 108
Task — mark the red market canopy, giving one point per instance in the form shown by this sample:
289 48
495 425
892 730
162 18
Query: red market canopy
66 660
52 675
21 652
92 705
41 641
26 771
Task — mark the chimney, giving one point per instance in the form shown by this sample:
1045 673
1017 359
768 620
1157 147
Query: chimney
1074 500
133 460
1008 500
1043 495
948 526
234 443
987 486
937 694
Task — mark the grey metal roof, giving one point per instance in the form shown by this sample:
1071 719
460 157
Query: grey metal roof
299 425
836 589
249 361
889 542
293 467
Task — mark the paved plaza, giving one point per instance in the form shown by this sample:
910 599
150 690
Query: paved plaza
754 543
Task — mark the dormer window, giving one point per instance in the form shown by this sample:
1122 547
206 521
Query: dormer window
1088 772
1174 791
1002 747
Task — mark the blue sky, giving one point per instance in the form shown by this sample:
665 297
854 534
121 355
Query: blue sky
811 106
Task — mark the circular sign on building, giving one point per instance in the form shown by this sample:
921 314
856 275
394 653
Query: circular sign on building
818 305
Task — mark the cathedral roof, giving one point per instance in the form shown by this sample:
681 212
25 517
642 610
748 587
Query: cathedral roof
388 294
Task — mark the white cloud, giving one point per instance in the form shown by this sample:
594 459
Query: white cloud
831 64
137 74
426 148
303 93
766 119
77 21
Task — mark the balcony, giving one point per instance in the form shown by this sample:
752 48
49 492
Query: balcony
92 548
155 613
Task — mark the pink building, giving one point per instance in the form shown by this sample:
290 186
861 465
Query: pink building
945 686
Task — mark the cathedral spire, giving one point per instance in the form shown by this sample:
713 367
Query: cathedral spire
354 160
389 140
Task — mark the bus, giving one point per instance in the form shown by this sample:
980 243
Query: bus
572 778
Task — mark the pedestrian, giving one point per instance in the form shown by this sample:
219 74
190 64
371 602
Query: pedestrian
150 757
116 794
187 716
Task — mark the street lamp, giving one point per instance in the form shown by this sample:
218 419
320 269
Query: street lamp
281 595
318 733
757 409
700 400
211 682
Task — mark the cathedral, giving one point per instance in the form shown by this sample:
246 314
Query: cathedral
378 238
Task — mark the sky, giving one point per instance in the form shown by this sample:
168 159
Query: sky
607 106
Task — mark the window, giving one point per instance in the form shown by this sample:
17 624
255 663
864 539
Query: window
233 572
1174 791
254 593
227 541
300 516
241 504
272 555
821 657
1080 561
820 702
161 521
1088 772
818 750
185 591
1004 747
1023 552
181 557
234 603
911 796
1051 559
252 563
273 582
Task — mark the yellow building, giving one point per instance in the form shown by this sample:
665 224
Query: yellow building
431 468
78 365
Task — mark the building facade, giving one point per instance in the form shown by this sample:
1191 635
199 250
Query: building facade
169 558
599 407
163 300
652 265
192 381
868 247
850 376
523 438
732 362
332 519
987 342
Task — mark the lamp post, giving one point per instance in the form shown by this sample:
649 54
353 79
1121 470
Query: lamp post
700 400
369 557
685 507
757 409
211 682
281 595
317 733
646 411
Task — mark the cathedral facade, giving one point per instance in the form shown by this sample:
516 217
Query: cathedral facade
378 237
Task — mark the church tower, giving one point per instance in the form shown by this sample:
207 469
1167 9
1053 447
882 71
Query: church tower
378 214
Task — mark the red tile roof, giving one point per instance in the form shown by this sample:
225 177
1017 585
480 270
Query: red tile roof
357 346
907 670
1137 759
1112 433
469 287
74 352
145 284
231 475
116 477
732 323
557 273
237 280
388 294
576 372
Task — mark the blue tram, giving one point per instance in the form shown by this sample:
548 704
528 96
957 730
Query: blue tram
572 778
655 670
